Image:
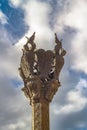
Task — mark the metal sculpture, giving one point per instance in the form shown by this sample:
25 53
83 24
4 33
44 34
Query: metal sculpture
40 71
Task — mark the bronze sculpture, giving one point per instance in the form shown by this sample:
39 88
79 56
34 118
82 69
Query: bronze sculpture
40 71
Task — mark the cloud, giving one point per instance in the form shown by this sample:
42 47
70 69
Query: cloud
13 104
82 84
3 18
71 113
69 106
74 16
9 55
74 105
77 19
13 107
16 3
75 99
37 17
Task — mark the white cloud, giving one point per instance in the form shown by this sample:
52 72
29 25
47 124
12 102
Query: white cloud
3 18
17 125
75 100
75 103
75 17
9 55
16 3
82 84
38 19
79 54
14 107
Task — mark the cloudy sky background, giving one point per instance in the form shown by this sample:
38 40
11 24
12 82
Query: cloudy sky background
20 18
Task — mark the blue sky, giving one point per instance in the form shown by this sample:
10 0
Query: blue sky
15 18
19 18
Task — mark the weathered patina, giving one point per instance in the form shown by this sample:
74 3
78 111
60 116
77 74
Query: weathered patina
40 71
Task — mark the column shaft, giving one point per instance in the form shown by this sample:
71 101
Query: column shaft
40 116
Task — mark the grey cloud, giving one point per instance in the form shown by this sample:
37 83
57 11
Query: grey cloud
71 121
9 55
13 106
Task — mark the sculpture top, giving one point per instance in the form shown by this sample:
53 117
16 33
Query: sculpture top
40 70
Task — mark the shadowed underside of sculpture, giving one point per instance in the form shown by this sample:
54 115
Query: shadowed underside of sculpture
40 71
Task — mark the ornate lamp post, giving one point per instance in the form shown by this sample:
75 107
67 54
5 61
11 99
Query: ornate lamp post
40 71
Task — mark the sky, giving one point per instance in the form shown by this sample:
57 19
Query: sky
20 18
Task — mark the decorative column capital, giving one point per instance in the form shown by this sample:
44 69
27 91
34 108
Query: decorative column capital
40 70
38 91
